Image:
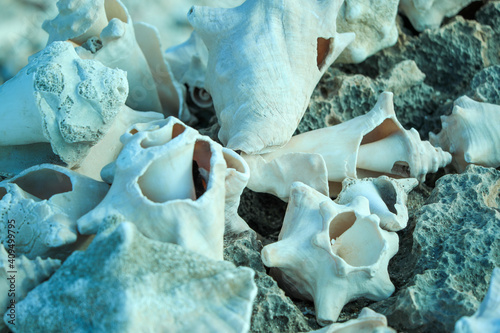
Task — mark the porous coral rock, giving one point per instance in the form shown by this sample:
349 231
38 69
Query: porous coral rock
456 245
485 85
273 311
125 282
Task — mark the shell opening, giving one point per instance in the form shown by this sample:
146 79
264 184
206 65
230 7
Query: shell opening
388 194
201 166
3 192
357 243
323 49
177 130
44 183
115 10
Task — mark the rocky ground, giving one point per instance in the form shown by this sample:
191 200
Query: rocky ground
452 242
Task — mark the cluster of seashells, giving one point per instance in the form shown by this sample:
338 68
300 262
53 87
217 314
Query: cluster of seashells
96 128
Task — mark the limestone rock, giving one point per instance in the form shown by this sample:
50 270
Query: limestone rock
485 85
273 311
125 282
456 245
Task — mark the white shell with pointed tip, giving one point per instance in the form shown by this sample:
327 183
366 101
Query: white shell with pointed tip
370 145
487 317
153 187
373 22
331 254
368 321
44 202
471 134
19 275
387 197
428 14
265 58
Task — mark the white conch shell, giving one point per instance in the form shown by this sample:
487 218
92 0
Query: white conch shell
471 134
45 201
19 275
153 187
373 22
63 105
428 14
330 253
237 175
370 145
189 65
265 59
368 321
387 198
487 317
106 28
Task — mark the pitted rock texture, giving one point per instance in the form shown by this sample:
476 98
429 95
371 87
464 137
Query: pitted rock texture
485 86
273 311
456 245
341 97
125 282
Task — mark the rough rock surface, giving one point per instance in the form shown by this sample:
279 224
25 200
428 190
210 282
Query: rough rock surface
125 282
273 311
342 97
456 245
485 86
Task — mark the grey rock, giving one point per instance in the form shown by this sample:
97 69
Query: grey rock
489 14
340 97
485 85
125 282
456 245
273 311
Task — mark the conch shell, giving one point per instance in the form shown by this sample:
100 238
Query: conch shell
170 181
368 321
387 198
45 202
265 58
471 134
373 22
367 146
105 30
331 254
428 14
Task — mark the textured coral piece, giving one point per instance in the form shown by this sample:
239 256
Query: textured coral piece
125 282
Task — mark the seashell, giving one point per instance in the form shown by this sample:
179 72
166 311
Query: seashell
189 65
387 198
106 33
428 14
367 146
237 175
264 61
373 22
125 282
63 105
331 254
471 134
44 202
368 321
487 317
155 180
25 274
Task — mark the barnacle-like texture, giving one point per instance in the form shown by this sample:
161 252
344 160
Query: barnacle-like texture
170 181
19 275
264 60
106 33
125 282
331 254
43 203
367 146
428 14
487 317
387 198
471 134
373 22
